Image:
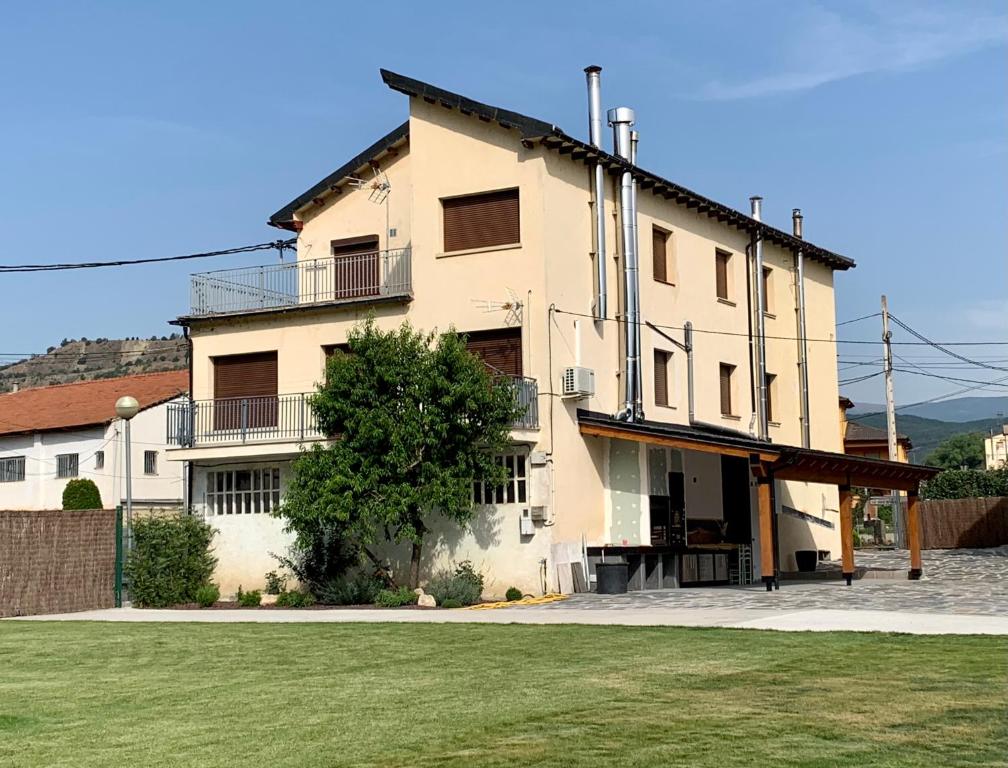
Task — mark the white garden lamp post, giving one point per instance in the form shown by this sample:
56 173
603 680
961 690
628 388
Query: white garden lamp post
126 408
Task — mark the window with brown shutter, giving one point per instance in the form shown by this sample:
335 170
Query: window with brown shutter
659 254
770 379
661 376
767 304
481 221
245 390
499 349
722 259
355 267
726 371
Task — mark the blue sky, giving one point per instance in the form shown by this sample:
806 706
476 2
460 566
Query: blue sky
137 130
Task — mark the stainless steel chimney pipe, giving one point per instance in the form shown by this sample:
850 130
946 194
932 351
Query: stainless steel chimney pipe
806 414
621 119
756 203
593 76
639 398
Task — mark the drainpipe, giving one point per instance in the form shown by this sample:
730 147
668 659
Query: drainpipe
688 338
188 469
639 398
621 119
764 428
594 78
806 413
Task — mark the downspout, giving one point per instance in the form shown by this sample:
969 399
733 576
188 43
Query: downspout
806 413
764 428
621 119
639 397
594 78
752 340
688 338
189 465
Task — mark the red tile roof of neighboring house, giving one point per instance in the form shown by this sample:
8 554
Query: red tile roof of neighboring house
85 403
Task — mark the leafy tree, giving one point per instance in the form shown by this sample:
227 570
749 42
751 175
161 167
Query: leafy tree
966 484
418 417
964 451
81 493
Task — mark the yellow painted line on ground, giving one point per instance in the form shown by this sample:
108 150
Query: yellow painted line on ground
513 603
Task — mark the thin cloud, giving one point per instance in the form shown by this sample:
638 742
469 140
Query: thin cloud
828 47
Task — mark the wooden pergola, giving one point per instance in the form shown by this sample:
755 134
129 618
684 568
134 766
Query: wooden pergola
769 462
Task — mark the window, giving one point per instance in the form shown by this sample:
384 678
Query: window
771 380
355 268
66 465
12 469
722 262
150 462
661 253
727 371
513 491
99 460
662 364
245 391
481 221
500 350
767 303
242 491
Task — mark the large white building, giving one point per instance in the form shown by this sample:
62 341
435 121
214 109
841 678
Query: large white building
50 435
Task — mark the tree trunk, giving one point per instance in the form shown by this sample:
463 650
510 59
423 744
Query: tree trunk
414 567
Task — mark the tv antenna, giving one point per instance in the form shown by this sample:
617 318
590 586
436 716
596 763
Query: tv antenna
512 308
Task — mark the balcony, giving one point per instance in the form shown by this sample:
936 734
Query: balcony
307 282
285 418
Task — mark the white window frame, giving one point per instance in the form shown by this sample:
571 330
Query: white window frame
67 465
12 469
515 489
223 496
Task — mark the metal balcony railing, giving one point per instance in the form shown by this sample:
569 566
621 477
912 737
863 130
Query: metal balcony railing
232 420
308 281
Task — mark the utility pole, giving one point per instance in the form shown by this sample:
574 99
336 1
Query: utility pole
890 401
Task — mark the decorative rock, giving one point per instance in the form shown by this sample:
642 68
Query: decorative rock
426 601
418 591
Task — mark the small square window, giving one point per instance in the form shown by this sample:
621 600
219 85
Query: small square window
150 462
99 460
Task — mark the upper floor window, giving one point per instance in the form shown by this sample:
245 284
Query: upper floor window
662 376
355 270
727 374
150 462
662 246
12 469
66 465
245 390
481 221
500 350
767 284
771 386
722 267
99 460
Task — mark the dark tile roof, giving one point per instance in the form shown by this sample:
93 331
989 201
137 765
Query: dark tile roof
857 431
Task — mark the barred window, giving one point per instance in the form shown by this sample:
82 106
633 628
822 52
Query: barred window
513 491
66 465
99 460
12 469
150 462
243 491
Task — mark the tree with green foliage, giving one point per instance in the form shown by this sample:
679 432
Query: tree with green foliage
418 417
81 493
966 484
964 451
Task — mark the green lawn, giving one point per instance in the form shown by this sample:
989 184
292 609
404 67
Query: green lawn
79 694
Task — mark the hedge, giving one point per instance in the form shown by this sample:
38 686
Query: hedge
966 484
170 561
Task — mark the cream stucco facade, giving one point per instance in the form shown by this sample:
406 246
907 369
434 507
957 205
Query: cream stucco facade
550 274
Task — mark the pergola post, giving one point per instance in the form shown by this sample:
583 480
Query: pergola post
766 531
846 533
913 531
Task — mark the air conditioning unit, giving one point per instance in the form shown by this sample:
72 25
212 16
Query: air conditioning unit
578 382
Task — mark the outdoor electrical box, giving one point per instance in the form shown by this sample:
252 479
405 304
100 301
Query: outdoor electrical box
538 514
578 382
527 526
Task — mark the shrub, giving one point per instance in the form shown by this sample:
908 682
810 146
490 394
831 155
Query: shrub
248 599
274 584
452 602
513 594
320 555
395 598
207 595
81 493
295 599
170 560
463 583
966 484
356 589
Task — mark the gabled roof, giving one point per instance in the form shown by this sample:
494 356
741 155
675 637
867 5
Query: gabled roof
857 432
534 131
86 403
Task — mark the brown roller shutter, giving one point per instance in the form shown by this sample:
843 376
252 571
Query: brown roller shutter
481 221
659 240
726 388
356 269
245 384
500 349
721 260
661 377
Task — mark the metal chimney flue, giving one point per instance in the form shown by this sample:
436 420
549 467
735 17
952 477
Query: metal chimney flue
756 203
593 75
796 222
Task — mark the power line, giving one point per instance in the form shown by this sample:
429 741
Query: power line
859 319
860 378
949 378
934 399
949 352
279 245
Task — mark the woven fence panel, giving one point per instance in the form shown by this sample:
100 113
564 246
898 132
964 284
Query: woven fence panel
964 523
55 561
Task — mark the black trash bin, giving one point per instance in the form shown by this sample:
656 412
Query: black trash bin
806 560
611 578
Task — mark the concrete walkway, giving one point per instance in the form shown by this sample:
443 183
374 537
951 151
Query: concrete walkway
816 620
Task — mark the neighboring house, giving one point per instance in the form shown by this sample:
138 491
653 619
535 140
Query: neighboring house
871 443
679 452
996 449
49 435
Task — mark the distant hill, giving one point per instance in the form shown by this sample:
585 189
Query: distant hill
87 359
957 409
927 434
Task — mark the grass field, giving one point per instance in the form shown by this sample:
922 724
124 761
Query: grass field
111 695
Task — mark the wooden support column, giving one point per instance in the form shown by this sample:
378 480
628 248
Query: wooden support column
846 533
766 531
914 534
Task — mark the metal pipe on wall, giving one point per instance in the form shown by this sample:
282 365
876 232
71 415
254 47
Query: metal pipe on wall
688 339
796 225
639 397
764 428
593 74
